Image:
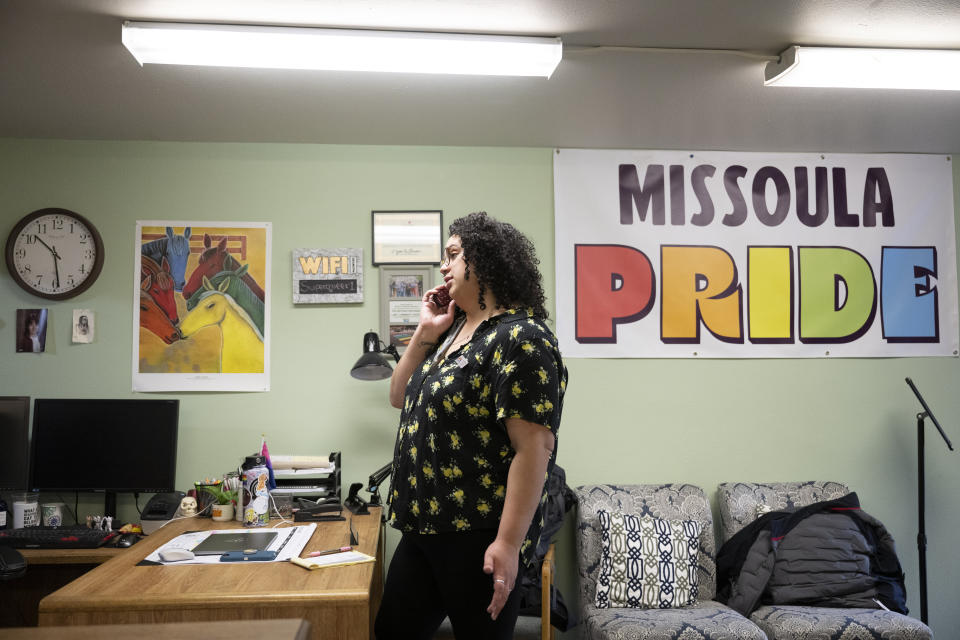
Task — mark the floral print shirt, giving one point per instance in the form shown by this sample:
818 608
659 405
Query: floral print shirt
453 452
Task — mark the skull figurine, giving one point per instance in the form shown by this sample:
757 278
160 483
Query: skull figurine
188 506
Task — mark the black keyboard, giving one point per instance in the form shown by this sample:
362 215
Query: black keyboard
54 538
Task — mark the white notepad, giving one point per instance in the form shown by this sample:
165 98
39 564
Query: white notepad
333 560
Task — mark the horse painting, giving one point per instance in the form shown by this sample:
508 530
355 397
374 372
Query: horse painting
237 289
156 280
155 320
213 260
201 290
176 249
241 345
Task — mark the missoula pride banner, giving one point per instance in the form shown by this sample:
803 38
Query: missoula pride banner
754 255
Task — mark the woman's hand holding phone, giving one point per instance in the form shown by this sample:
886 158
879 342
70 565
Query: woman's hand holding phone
435 317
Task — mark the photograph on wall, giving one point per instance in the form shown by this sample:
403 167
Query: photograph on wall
327 276
31 330
201 306
401 291
406 286
83 326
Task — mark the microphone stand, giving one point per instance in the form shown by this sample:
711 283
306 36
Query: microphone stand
921 497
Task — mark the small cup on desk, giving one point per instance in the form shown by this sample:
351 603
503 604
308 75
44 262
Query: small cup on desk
222 512
26 509
52 513
283 503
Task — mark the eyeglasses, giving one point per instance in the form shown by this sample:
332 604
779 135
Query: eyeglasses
446 260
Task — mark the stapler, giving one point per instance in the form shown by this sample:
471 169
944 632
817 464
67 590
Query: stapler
319 511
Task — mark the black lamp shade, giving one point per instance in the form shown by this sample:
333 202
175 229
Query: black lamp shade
371 365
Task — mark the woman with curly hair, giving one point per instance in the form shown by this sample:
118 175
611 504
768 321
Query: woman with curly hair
481 388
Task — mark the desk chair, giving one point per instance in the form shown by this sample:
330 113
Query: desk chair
528 627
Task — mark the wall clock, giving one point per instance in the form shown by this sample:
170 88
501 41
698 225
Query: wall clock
54 253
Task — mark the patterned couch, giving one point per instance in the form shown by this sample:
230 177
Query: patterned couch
739 504
708 619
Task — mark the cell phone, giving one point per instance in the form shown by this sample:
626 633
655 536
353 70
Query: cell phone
441 298
249 556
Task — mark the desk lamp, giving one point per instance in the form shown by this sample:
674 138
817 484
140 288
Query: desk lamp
372 365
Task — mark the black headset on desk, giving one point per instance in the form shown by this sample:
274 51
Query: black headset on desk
12 563
358 505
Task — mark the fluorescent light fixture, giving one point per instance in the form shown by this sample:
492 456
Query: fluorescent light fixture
865 68
220 45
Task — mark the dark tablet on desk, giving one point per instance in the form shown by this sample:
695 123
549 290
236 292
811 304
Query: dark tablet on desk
217 544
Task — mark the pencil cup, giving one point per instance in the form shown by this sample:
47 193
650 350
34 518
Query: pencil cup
205 499
282 503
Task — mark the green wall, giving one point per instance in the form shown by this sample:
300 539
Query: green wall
625 421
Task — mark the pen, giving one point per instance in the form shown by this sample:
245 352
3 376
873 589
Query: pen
314 554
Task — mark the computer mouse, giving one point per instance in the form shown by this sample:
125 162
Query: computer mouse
176 555
127 540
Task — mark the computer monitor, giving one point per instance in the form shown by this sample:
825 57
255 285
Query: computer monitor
104 445
14 442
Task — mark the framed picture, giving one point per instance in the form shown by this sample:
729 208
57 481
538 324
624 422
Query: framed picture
407 237
401 296
327 275
201 306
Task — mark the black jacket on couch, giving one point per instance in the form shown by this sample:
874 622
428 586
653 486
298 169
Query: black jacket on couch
827 554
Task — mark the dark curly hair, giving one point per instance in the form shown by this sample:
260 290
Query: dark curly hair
503 260
32 318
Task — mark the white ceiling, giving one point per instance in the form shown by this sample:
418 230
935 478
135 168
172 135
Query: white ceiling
64 74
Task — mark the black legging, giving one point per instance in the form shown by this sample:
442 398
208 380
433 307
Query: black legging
438 575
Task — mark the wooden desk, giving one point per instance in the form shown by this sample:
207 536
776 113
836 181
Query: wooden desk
47 571
339 602
70 556
232 630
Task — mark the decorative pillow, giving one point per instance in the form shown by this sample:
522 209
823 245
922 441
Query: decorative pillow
647 562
